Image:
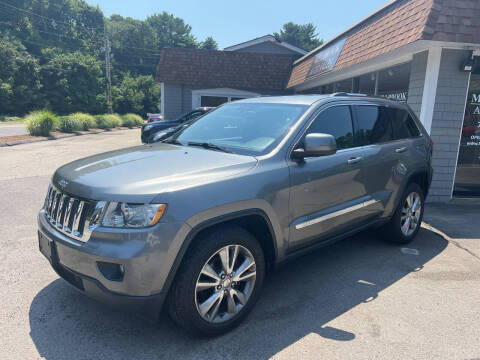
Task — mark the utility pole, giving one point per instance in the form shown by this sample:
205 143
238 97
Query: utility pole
107 69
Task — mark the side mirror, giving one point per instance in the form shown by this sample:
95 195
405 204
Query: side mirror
317 145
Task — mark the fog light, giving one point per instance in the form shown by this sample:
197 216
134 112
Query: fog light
111 271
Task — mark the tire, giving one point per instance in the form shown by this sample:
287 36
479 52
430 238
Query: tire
394 229
187 298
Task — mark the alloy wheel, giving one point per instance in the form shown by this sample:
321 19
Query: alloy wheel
411 211
225 283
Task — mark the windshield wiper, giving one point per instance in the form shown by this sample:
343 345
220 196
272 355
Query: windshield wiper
208 145
173 141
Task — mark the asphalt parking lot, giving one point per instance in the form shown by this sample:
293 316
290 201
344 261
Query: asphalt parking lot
358 299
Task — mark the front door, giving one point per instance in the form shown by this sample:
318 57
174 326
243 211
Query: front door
327 192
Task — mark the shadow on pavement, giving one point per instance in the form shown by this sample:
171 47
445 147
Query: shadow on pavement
299 299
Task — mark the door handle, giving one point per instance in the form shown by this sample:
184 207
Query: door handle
400 150
354 160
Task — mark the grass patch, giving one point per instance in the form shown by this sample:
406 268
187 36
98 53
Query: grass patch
41 123
86 120
69 124
131 120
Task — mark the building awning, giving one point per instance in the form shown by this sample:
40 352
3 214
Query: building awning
399 23
224 69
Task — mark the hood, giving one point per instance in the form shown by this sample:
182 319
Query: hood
140 173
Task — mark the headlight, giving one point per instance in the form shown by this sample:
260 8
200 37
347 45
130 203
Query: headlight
124 215
147 127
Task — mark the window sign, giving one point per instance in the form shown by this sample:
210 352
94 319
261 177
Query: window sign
401 96
467 179
326 59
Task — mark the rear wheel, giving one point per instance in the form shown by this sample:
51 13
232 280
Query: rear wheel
407 219
218 282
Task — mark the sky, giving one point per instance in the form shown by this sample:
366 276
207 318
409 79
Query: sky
230 23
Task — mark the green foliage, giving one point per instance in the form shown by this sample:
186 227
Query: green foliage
115 119
72 81
171 31
58 64
209 44
131 120
19 79
139 94
41 123
103 121
303 36
87 121
108 121
69 124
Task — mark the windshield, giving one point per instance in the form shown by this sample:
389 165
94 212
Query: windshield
245 128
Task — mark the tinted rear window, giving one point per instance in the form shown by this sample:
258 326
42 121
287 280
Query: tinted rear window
373 125
403 125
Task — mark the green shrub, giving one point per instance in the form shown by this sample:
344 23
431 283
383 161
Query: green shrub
41 123
115 119
131 120
69 124
87 120
103 121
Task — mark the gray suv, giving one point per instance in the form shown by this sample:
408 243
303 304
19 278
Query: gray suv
195 222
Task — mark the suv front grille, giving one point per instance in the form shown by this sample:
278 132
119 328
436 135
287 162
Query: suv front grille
67 214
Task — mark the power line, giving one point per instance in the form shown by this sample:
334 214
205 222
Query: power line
50 33
53 22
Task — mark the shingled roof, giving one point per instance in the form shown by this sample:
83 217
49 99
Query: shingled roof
399 23
224 69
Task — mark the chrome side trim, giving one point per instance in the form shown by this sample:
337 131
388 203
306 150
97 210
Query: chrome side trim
335 214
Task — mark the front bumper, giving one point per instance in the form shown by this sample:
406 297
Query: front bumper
141 253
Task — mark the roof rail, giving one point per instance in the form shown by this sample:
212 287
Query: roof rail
347 94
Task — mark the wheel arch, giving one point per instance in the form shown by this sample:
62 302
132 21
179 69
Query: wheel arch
247 219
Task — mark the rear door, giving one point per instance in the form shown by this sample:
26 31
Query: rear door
327 192
386 139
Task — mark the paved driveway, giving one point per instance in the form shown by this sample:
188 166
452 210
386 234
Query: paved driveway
12 128
358 299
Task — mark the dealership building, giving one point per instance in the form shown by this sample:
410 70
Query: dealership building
423 52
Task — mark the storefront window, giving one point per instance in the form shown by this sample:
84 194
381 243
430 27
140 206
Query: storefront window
467 179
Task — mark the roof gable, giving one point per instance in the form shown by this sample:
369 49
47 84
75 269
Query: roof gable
263 40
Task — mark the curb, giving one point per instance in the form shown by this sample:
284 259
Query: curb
50 138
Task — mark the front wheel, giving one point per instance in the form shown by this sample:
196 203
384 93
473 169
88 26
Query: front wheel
407 219
218 282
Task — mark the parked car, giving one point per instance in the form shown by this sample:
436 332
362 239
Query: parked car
166 133
148 130
154 117
198 220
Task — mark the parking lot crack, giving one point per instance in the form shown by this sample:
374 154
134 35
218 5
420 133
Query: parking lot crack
449 239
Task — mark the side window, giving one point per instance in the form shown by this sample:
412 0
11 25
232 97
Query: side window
403 125
336 121
373 125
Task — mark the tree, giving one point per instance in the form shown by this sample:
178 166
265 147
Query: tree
171 31
209 44
134 46
139 94
303 36
19 79
72 81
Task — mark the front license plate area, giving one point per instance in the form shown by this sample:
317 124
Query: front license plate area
47 247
